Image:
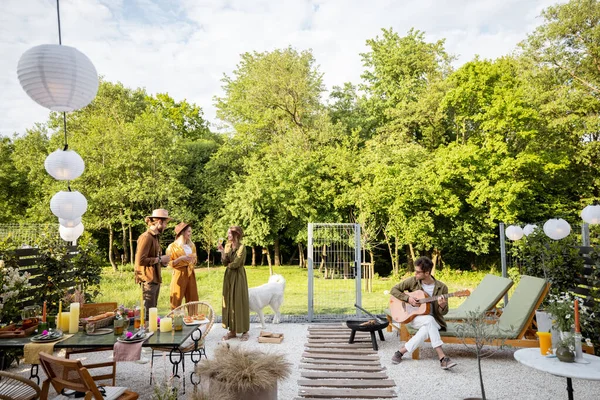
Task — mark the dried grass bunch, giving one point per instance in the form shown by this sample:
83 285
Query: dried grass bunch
243 370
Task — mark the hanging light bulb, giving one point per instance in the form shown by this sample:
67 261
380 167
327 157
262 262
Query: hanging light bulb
64 165
68 205
557 228
591 214
528 229
58 77
514 232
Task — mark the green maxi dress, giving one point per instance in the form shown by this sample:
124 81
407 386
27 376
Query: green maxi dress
236 308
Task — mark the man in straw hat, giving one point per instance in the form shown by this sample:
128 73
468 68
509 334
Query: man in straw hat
149 258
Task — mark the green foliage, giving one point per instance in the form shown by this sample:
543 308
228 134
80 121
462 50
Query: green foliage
557 261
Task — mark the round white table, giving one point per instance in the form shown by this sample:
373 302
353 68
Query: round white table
532 358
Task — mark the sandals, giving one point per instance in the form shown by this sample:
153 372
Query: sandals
230 335
245 337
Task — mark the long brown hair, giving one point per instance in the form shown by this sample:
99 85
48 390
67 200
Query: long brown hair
237 234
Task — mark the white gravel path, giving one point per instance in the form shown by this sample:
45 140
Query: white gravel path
421 379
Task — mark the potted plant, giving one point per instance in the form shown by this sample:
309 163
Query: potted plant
479 334
237 373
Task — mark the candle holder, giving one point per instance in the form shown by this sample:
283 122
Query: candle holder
578 350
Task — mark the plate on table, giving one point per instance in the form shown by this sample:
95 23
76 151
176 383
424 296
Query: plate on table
50 337
196 321
146 336
100 331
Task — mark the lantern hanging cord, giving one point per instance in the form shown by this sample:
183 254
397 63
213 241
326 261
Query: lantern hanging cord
58 15
65 129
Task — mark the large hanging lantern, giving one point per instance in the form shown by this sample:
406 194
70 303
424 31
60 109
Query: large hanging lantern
528 229
591 215
57 77
514 232
69 223
70 234
64 165
557 228
68 205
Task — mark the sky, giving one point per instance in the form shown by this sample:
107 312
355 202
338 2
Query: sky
184 47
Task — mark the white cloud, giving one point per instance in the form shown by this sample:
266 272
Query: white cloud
184 47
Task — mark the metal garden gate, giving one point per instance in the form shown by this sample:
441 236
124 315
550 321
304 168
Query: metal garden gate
334 273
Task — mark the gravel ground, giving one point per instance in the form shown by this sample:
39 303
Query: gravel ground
421 379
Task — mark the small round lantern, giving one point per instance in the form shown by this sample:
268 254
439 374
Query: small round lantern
528 229
70 234
68 205
57 77
557 228
591 215
514 232
64 165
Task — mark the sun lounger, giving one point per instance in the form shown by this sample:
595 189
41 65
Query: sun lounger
515 325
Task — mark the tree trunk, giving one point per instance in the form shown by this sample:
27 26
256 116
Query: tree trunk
254 256
111 235
391 251
292 257
436 256
268 253
323 259
301 261
131 244
412 253
124 243
276 251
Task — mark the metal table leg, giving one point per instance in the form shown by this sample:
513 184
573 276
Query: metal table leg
570 388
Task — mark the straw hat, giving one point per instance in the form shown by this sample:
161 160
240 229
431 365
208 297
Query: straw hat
160 213
181 227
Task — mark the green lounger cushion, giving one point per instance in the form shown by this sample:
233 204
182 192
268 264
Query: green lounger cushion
484 297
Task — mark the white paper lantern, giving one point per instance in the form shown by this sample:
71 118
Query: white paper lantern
514 232
69 223
57 77
64 165
68 205
528 229
557 228
70 234
591 215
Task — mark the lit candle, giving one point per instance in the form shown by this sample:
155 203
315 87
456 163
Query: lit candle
577 329
152 319
44 312
65 321
74 318
166 324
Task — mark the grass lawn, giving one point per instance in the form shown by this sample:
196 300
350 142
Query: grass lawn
120 287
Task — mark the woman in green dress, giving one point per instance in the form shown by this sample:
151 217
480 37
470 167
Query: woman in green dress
236 309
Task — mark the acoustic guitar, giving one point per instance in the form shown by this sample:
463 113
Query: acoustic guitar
403 312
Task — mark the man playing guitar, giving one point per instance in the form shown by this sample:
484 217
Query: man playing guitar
428 326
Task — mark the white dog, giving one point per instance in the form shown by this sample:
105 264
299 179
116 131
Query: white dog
271 294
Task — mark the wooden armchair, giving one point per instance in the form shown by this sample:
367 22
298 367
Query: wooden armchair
15 387
71 375
191 308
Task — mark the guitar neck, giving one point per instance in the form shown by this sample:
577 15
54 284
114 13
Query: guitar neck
436 298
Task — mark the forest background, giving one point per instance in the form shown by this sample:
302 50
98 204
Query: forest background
428 158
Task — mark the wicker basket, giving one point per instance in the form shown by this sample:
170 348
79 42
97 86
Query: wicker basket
101 323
